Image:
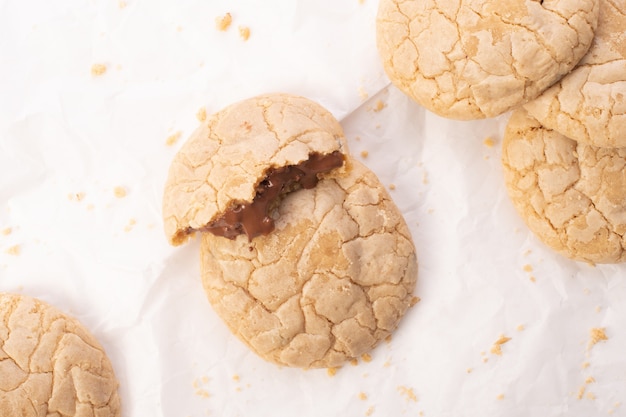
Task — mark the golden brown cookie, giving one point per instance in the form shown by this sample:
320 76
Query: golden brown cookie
471 59
239 155
571 195
589 104
50 365
327 285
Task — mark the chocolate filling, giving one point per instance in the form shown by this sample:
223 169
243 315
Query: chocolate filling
254 219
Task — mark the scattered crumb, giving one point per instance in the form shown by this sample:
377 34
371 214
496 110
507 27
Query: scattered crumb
532 278
202 393
377 126
366 357
590 396
364 154
387 363
363 93
597 335
590 380
370 411
362 396
129 226
528 252
500 397
223 22
354 362
236 378
581 393
407 393
90 207
585 365
587 291
357 138
496 349
425 178
598 309
388 338
201 114
119 191
205 379
392 187
173 138
244 32
7 231
13 250
520 327
76 196
361 1
485 360
489 142
528 268
615 406
469 370
414 301
121 4
331 371
98 69
379 106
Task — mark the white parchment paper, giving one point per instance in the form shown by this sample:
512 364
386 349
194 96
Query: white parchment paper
83 159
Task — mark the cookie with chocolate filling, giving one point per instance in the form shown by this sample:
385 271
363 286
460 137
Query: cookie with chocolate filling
328 284
50 365
229 177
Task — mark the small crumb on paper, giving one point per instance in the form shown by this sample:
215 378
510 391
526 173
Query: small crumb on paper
414 301
469 370
363 93
119 191
392 187
500 397
76 196
407 393
173 138
590 380
581 392
201 114
520 327
14 250
362 396
244 32
98 69
130 225
496 349
379 106
364 154
585 365
354 362
236 378
598 309
331 371
528 268
199 387
590 396
121 4
597 334
366 357
7 231
223 22
370 411
489 142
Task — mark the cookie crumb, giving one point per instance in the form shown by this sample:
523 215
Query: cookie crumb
7 231
354 362
223 22
500 397
331 371
532 278
90 207
496 349
244 32
520 327
590 380
366 357
364 154
597 334
414 301
363 93
489 142
121 4
201 114
130 225
585 365
14 250
528 268
485 360
388 338
590 396
379 106
598 309
98 69
236 378
469 370
119 191
425 178
76 196
407 393
392 187
173 138
362 396
370 410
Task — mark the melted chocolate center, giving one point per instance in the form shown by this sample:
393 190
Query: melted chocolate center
254 219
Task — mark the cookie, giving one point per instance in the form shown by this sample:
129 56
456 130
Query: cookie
476 59
571 195
589 104
228 177
50 365
333 279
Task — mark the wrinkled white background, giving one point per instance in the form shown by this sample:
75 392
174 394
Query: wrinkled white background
105 260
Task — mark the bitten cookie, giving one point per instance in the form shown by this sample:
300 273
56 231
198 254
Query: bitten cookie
327 285
589 104
571 195
252 151
474 59
50 365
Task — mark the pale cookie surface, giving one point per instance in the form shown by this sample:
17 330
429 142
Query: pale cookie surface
571 195
50 365
589 104
230 153
471 59
333 279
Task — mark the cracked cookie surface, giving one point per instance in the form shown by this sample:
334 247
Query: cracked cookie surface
571 195
50 365
589 104
227 157
333 279
471 59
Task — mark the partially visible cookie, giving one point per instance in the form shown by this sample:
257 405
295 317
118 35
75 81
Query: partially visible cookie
471 59
50 365
589 104
238 155
571 195
327 285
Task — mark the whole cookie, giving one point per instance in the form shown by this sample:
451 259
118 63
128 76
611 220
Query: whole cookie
589 104
50 365
227 163
571 195
471 59
327 285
